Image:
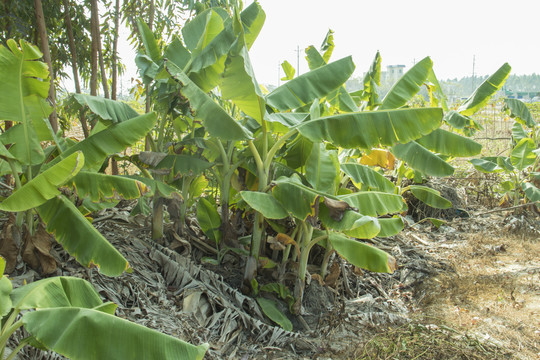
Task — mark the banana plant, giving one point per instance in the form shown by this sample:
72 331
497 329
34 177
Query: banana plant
521 166
71 319
45 178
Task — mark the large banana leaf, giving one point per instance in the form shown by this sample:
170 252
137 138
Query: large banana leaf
80 239
111 140
90 334
216 120
238 81
371 128
520 112
483 93
447 143
390 226
298 199
531 192
202 29
420 158
25 86
486 165
362 255
150 44
430 197
522 154
352 223
108 110
373 203
58 291
5 290
264 203
408 85
365 175
315 84
457 120
209 219
322 169
184 165
177 53
102 187
44 186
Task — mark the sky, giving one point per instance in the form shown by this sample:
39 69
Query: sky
452 33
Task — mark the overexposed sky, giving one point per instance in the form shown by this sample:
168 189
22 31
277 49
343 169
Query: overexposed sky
404 31
450 32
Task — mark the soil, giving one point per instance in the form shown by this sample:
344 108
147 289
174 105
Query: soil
469 289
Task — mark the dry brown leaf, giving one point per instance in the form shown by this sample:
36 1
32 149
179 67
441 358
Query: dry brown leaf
332 277
9 247
318 278
336 208
37 249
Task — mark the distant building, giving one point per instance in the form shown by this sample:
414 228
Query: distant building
393 73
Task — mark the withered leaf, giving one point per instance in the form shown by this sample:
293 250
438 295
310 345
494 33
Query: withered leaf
332 277
336 208
9 246
36 251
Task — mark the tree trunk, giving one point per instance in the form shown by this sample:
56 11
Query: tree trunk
114 87
94 33
74 63
44 42
104 83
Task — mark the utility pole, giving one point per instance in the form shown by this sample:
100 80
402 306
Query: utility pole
297 60
472 80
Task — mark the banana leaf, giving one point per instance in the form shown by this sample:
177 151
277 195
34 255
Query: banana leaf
102 187
531 192
419 158
315 84
390 226
109 111
289 71
408 85
5 290
450 144
483 93
373 203
519 111
522 154
149 41
457 120
26 147
518 132
298 199
216 120
371 128
58 291
238 82
209 219
80 239
365 175
264 203
184 165
177 53
486 165
352 223
436 93
80 333
44 186
202 29
372 79
322 169
115 138
271 310
430 197
362 255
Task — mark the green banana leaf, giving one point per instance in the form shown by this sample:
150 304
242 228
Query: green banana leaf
238 82
522 154
483 93
430 197
25 87
518 132
362 255
436 93
519 111
110 111
322 169
44 186
298 152
156 186
372 79
371 128
408 85
115 138
390 226
505 163
458 121
5 290
298 199
271 310
177 53
216 120
419 158
102 187
264 203
315 84
486 165
90 334
352 223
149 41
289 71
184 165
373 203
450 144
365 175
202 29
80 239
58 291
531 192
209 219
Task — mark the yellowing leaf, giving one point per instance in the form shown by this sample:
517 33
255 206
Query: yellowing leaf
379 157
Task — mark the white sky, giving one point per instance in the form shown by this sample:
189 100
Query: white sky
450 32
404 31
